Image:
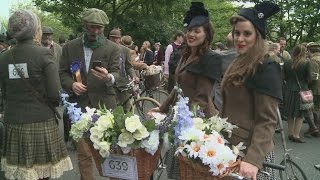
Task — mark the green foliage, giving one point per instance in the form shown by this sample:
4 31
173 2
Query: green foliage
47 19
298 21
150 125
154 21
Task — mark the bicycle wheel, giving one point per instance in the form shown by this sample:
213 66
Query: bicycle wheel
158 94
143 105
292 171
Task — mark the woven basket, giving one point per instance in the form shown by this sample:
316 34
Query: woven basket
146 163
152 81
195 171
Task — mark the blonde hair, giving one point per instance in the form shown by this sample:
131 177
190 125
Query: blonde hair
245 65
38 34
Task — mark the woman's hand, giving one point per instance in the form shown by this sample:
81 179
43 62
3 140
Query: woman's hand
248 170
153 110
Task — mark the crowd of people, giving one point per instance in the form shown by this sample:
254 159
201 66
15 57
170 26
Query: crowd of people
247 80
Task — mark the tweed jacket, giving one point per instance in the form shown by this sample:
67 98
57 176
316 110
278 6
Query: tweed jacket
254 110
97 91
57 51
125 54
21 106
315 68
196 85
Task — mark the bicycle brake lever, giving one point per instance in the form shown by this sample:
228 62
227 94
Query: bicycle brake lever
266 173
237 176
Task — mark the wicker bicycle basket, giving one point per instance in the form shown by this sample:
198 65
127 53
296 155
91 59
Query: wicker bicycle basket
146 163
152 81
190 170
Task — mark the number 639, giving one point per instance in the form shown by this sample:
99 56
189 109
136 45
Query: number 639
118 165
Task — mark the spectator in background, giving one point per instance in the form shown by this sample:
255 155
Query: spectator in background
158 54
314 53
229 55
219 47
62 40
283 53
127 72
178 40
47 42
72 36
146 54
136 63
274 52
297 73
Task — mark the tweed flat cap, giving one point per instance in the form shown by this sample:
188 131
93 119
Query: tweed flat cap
47 30
313 44
95 16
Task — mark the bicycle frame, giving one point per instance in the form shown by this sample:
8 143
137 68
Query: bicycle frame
283 139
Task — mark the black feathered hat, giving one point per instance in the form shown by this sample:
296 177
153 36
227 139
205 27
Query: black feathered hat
196 15
259 14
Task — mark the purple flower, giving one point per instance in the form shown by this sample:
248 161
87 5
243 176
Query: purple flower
95 117
75 66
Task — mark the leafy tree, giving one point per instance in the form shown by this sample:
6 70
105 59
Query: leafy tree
298 21
155 20
47 19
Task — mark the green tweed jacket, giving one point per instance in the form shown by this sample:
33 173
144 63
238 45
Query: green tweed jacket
97 91
41 71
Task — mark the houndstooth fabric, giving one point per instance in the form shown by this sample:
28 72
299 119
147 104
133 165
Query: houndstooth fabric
270 159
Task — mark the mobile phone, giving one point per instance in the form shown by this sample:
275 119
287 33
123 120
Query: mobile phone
96 64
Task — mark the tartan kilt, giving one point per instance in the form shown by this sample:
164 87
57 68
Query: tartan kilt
34 150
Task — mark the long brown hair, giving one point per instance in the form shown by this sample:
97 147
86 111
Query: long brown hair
205 46
245 65
299 55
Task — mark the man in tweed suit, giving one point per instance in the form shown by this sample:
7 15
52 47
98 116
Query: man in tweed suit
92 86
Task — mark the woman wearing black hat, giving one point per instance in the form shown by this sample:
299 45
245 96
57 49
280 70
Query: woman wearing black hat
197 70
251 89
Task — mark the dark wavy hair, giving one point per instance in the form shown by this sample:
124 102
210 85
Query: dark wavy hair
205 46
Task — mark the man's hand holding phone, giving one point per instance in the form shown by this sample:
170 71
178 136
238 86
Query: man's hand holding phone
100 72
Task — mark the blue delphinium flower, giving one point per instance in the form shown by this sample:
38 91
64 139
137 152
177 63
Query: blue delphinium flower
73 111
184 116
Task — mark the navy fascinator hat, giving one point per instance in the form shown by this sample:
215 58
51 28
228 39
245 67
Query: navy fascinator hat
197 15
259 14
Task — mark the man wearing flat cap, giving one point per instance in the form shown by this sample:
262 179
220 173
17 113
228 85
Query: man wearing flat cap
47 41
88 69
126 70
314 52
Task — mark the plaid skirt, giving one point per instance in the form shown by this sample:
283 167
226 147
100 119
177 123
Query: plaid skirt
34 151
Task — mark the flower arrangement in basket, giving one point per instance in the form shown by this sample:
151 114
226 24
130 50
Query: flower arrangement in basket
117 132
201 146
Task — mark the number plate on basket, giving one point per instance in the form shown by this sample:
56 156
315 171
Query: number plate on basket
120 166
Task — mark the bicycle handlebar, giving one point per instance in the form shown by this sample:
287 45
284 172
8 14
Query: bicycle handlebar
265 164
274 166
127 86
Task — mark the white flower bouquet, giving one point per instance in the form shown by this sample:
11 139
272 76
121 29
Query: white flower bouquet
114 130
199 139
